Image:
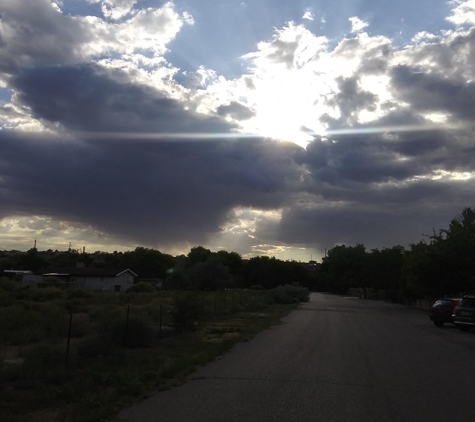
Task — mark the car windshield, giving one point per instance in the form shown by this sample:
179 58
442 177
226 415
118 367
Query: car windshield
468 302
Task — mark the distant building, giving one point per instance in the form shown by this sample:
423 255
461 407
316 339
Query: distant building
111 279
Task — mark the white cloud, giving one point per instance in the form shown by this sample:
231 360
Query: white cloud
464 13
308 15
357 24
116 9
188 18
425 37
66 39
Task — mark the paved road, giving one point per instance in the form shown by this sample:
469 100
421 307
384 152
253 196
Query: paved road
333 359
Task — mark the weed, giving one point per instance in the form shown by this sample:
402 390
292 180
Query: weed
290 293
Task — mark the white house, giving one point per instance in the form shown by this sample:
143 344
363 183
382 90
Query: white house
111 279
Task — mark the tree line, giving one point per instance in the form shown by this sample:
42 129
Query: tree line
442 264
200 269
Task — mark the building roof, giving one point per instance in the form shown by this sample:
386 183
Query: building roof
84 272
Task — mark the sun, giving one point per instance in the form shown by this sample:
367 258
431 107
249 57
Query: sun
284 118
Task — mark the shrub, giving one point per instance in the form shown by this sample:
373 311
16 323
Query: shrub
185 311
80 325
80 294
44 294
95 344
8 284
290 294
142 286
43 361
140 332
16 318
105 315
137 333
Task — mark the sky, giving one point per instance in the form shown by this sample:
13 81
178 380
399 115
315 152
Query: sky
278 128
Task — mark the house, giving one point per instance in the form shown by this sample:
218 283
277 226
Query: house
111 279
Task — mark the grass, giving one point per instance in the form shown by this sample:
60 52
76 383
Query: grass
106 371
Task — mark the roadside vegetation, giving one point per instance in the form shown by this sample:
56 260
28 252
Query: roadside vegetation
75 355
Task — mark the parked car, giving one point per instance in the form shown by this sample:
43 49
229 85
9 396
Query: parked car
442 311
464 313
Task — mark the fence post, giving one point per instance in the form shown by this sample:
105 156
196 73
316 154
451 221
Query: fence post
69 337
160 323
127 326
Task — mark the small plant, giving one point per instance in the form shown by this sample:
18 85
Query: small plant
290 293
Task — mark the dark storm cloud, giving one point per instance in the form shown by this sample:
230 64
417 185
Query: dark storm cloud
374 227
160 193
370 188
164 193
379 189
90 98
431 92
152 192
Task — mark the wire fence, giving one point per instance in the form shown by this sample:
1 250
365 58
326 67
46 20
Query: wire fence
46 332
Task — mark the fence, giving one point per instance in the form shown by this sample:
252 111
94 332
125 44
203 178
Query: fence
96 324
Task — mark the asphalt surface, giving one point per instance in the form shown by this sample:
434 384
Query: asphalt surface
333 359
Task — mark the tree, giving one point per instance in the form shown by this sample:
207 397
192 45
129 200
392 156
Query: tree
382 268
446 264
209 275
31 261
343 267
197 255
272 272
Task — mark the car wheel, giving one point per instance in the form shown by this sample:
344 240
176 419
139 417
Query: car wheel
438 323
464 327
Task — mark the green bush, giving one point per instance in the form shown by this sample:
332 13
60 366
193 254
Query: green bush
44 361
37 294
8 284
140 332
142 286
290 293
80 325
185 311
80 294
105 315
16 317
95 344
